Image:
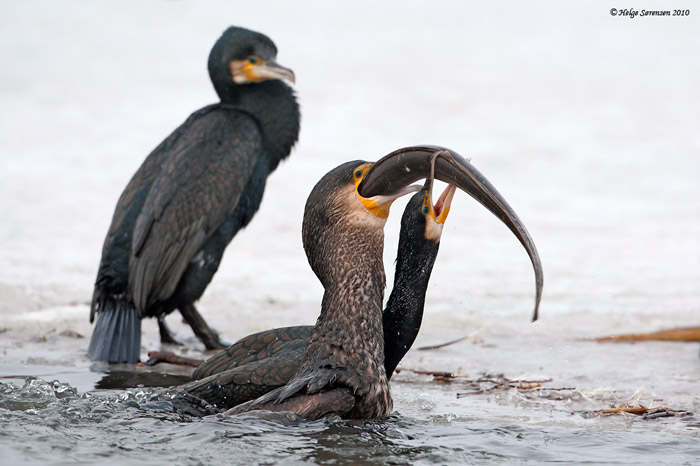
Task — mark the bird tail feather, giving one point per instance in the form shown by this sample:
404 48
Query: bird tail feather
117 334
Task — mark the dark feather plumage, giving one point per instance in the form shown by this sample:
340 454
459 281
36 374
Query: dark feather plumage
190 197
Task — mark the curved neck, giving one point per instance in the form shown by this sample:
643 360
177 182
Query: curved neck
275 108
404 310
348 337
354 280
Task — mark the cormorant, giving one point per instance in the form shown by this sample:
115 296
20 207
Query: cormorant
342 370
192 194
267 360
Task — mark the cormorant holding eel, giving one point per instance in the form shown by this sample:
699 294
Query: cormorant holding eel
343 368
267 360
192 194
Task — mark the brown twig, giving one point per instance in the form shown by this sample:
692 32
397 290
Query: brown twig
503 383
647 413
440 374
442 345
155 357
638 410
676 334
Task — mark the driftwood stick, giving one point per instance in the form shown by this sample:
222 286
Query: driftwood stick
155 357
676 334
442 345
638 410
645 412
444 375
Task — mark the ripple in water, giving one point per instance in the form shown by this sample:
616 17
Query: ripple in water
48 421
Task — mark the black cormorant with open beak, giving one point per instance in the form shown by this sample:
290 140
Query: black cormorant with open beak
190 197
342 371
267 360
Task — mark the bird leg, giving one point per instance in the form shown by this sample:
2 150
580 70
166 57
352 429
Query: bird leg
166 335
200 328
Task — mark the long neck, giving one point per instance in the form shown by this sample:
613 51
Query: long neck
404 310
350 325
346 347
274 106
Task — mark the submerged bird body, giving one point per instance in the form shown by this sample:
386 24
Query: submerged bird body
267 360
251 367
191 195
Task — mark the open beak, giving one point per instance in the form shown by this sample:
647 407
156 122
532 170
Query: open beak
440 209
395 171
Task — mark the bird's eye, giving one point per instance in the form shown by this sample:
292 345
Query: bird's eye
252 60
426 209
358 173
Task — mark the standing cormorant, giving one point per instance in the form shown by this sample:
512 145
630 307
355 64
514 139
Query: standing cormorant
192 194
267 360
342 370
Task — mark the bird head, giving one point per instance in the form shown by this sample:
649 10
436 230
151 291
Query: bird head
341 229
242 56
424 218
